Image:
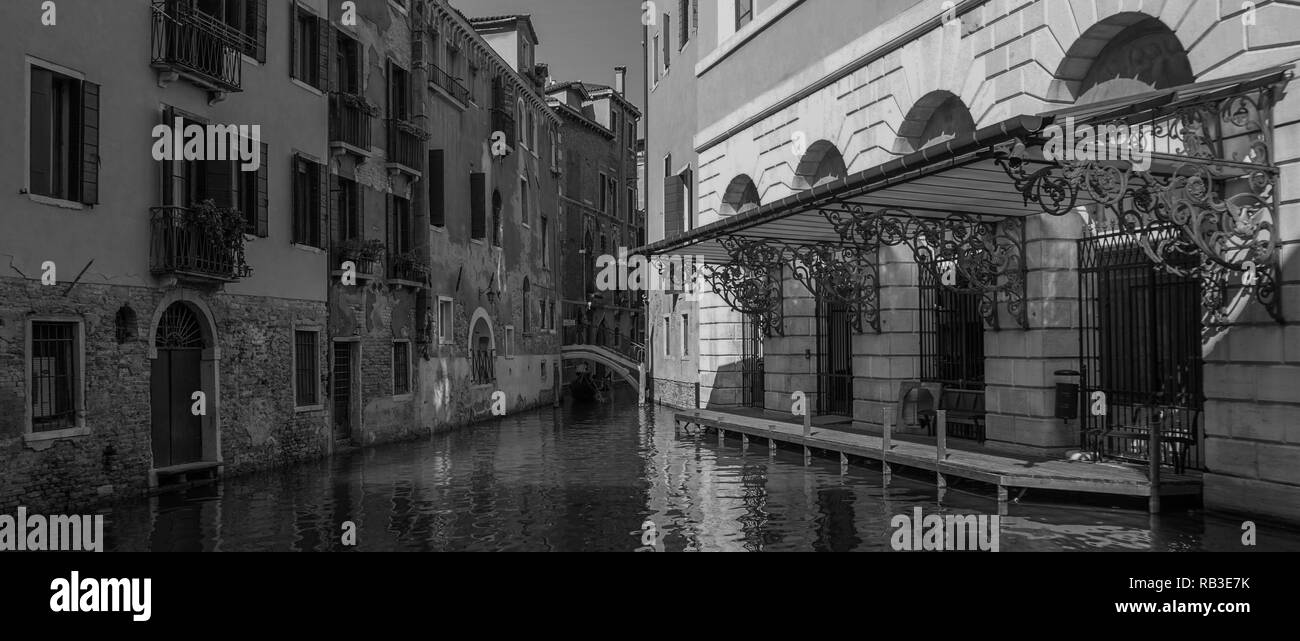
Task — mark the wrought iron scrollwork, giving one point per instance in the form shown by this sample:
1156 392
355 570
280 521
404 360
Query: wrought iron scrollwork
751 283
1221 202
847 275
964 252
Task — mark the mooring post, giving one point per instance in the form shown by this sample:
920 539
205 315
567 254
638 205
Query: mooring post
641 385
722 437
887 430
941 429
844 463
807 423
1153 459
807 456
771 448
744 443
941 448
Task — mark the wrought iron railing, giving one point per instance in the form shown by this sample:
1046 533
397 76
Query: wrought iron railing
187 40
483 365
366 265
451 85
408 271
179 246
404 143
349 122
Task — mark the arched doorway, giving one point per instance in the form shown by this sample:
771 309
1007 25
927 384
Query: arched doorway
176 374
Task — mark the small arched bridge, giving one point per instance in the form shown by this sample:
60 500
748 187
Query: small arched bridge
624 365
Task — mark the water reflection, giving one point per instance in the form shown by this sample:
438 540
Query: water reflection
586 478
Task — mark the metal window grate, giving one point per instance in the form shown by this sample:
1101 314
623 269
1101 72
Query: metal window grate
751 369
401 368
179 329
305 360
53 376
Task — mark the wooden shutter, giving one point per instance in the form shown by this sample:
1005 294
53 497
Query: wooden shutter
390 226
294 71
255 16
478 205
89 143
419 50
322 197
672 206
437 205
42 132
323 41
263 196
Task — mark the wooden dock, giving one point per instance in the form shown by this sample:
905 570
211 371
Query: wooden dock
1004 471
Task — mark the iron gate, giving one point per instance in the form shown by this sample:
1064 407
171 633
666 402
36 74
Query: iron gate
1140 346
952 334
752 385
834 359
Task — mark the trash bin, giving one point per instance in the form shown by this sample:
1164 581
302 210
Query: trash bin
1067 394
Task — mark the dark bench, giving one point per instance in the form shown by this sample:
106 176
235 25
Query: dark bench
1137 428
965 418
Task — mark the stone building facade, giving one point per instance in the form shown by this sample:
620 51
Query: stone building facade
600 215
791 96
384 269
138 352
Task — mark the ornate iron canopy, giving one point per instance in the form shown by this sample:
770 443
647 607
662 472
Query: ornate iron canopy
965 253
1211 180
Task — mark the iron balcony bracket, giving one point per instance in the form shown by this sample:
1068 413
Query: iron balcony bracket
751 283
1222 205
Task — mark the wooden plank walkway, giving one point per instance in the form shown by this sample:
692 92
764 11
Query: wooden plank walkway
1002 470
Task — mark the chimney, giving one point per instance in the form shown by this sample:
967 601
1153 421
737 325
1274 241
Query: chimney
620 79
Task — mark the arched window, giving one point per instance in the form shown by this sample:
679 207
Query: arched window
740 197
528 310
482 353
821 164
936 118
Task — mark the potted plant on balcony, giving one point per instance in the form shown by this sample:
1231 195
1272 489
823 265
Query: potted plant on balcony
360 103
221 229
410 266
362 252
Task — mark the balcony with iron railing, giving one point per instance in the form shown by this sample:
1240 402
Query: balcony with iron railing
405 146
193 45
183 248
443 80
350 122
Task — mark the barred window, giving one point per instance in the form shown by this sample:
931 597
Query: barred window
306 368
401 368
55 376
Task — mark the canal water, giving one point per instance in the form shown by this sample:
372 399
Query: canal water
588 478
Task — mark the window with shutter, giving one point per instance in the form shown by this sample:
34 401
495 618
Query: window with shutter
437 192
63 137
478 205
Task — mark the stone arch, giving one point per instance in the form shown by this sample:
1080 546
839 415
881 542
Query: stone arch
207 324
937 117
480 324
740 197
821 164
1123 54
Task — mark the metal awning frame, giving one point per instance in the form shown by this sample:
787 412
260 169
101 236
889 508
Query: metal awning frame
1221 206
